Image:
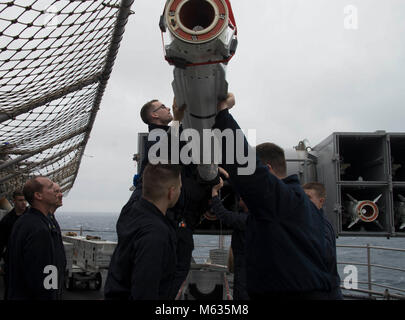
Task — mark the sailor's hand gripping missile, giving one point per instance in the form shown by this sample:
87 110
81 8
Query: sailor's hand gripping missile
217 187
228 103
178 112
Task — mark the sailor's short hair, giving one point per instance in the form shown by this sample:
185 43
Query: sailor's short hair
158 177
270 153
146 111
318 187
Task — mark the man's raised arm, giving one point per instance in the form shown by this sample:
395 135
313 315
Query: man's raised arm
254 188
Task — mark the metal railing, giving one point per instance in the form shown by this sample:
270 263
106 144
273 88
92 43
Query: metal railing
197 253
371 294
81 230
370 291
367 293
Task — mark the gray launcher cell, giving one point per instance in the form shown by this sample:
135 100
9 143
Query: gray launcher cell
355 168
365 209
397 149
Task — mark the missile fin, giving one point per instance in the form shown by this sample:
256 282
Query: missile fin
353 223
376 199
379 225
351 198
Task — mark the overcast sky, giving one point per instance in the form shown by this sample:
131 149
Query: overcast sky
298 73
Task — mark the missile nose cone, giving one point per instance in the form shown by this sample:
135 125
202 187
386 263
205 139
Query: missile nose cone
368 211
196 21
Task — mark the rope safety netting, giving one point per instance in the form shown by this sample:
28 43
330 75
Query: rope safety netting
55 61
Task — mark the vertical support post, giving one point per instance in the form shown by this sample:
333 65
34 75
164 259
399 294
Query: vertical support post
81 230
221 241
369 269
220 237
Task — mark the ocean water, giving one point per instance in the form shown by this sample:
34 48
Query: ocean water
104 226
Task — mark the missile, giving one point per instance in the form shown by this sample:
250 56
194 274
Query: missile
400 211
201 38
364 210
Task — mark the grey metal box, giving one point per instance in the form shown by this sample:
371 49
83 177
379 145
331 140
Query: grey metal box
397 154
91 255
69 255
356 165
